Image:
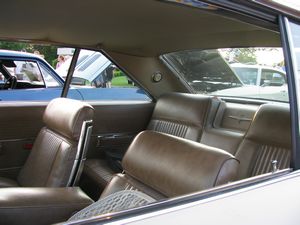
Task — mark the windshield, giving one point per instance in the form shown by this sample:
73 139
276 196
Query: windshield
238 72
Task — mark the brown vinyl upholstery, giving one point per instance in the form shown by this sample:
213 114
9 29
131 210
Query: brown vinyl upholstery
40 205
178 114
52 157
221 130
268 138
163 166
99 170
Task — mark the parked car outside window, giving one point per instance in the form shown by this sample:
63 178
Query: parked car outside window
28 77
259 75
209 72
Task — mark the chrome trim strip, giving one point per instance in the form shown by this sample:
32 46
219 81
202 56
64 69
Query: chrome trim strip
83 142
84 151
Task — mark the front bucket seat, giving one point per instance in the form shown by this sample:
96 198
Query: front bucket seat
53 160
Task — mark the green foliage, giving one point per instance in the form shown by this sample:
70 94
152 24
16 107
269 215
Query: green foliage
54 62
16 46
49 52
246 55
242 55
120 81
118 73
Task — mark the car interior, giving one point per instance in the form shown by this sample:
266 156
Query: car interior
66 161
12 79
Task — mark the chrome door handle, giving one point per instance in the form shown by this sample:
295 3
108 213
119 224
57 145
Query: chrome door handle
240 119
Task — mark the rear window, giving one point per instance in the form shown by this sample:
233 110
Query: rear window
234 72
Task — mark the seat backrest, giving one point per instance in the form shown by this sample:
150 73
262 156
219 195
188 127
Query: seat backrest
162 165
54 151
181 115
267 139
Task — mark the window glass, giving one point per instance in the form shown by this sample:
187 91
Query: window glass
97 78
272 78
235 72
246 74
48 78
295 28
295 53
26 72
24 80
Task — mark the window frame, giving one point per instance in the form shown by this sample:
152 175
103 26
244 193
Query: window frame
294 96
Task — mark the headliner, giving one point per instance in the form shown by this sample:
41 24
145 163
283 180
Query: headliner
134 27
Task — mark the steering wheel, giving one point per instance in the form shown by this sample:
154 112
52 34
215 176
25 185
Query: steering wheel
11 83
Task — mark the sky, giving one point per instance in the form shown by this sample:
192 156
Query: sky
271 57
291 3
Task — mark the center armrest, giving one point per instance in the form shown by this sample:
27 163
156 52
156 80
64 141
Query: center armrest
40 205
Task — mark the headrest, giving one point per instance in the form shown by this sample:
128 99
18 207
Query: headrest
271 125
174 166
65 116
190 109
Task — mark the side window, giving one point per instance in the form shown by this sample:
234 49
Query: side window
272 78
27 73
48 78
28 80
247 75
97 78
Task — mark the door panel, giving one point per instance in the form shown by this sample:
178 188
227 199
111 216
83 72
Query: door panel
19 125
116 124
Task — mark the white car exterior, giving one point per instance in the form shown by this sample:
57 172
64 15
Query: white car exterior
260 82
257 75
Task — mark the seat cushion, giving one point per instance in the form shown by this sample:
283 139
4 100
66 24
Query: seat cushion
174 166
6 182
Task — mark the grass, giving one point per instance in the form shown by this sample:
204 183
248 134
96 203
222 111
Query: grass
120 82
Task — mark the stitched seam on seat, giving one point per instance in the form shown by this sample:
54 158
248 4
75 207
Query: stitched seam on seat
186 122
221 167
265 155
172 128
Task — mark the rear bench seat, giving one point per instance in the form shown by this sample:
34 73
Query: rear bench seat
152 166
185 115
